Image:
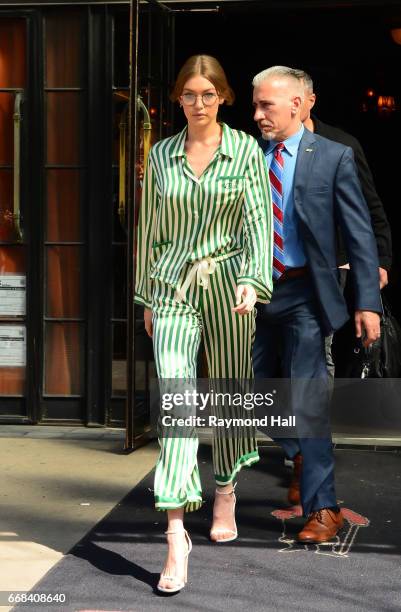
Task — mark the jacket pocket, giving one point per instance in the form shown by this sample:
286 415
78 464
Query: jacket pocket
229 189
159 250
155 245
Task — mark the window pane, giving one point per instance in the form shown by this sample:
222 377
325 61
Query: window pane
63 205
7 231
12 53
143 355
12 359
121 49
12 260
119 364
63 128
119 220
63 281
6 128
64 359
119 282
63 48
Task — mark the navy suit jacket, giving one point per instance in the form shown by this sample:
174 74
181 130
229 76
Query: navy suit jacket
327 193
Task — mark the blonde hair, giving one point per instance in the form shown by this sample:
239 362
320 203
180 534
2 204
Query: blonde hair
208 67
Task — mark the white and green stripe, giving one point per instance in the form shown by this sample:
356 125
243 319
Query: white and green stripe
183 218
225 214
228 338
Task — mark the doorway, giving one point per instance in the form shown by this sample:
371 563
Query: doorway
17 197
61 305
350 54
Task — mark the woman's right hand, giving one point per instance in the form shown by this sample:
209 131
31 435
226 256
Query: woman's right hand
147 315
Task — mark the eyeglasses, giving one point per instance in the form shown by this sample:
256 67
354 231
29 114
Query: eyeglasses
208 99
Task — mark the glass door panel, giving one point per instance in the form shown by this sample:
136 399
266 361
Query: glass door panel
64 209
65 172
152 68
119 368
12 245
64 300
7 103
12 52
7 230
118 322
63 113
63 48
64 373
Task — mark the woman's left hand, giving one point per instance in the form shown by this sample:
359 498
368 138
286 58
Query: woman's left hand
245 296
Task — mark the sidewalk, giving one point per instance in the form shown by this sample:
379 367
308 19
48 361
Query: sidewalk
56 484
116 565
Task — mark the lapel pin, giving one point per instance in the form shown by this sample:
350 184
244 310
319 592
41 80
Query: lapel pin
309 150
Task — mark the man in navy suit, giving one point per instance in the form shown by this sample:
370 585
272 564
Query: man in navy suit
315 187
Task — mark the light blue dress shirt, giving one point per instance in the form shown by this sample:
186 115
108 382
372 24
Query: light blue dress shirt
294 254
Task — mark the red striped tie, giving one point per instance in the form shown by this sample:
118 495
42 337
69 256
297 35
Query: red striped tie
276 182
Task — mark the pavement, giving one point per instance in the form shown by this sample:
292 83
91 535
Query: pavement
57 483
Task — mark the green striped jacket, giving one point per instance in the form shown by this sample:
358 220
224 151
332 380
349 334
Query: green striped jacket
184 218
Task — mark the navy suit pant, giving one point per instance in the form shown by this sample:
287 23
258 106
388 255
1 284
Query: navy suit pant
289 337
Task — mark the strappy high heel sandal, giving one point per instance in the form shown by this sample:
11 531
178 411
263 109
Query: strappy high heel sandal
177 584
218 530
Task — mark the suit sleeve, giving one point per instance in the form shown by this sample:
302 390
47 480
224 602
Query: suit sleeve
354 219
256 267
380 224
145 235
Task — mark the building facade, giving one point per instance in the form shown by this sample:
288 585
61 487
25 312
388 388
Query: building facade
83 93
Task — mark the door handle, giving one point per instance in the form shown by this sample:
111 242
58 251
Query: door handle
146 128
19 97
146 139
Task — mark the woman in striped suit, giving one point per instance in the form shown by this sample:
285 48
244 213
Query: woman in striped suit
204 258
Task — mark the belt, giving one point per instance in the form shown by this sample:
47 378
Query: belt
292 273
201 269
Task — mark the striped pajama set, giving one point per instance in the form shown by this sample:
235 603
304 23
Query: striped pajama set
198 238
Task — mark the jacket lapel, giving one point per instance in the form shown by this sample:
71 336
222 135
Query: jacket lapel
306 154
303 168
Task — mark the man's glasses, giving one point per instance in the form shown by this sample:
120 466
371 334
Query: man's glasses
208 99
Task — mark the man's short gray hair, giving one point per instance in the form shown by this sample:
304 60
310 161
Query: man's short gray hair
306 78
302 78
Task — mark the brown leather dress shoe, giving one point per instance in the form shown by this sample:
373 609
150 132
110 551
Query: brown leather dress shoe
294 491
321 526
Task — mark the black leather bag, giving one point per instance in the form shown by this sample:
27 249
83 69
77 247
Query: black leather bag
383 358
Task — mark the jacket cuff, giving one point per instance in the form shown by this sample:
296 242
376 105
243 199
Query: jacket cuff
262 291
385 262
139 299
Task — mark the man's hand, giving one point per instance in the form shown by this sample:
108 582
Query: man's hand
368 322
147 316
383 276
245 298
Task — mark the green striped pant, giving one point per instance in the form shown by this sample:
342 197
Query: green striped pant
228 337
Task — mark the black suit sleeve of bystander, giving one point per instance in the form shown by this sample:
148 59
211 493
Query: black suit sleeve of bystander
379 221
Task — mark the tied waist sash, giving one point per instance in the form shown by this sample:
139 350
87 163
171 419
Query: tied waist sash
202 269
